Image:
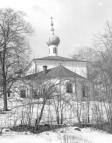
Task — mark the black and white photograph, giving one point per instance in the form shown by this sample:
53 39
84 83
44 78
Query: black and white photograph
55 71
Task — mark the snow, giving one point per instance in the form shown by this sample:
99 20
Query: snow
20 138
97 136
63 135
20 108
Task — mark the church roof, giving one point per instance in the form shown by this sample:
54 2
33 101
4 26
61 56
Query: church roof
58 58
57 72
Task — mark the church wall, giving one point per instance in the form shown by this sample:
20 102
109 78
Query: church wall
78 67
61 86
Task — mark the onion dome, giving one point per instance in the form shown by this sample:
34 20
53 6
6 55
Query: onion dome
53 39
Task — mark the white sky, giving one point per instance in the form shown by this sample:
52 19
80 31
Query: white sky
76 21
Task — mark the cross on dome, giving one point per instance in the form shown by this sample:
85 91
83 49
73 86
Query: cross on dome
52 24
53 39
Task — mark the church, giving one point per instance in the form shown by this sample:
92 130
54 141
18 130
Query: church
55 68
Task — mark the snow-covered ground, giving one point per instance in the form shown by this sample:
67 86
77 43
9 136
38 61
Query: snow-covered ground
22 108
64 135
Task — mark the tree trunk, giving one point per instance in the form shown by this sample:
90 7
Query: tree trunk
4 80
41 113
5 96
40 116
57 118
61 117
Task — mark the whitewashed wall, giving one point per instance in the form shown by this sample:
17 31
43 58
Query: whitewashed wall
78 67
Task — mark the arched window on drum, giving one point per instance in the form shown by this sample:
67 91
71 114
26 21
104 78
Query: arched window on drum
54 50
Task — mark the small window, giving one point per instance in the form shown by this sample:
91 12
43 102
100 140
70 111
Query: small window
23 93
54 50
69 87
84 91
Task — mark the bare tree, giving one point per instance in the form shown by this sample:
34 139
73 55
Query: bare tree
86 54
103 81
44 92
13 46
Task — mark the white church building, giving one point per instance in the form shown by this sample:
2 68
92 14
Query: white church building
54 67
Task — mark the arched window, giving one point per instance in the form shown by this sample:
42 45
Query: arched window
54 50
69 87
23 93
84 91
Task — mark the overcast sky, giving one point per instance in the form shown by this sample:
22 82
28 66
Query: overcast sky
75 22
